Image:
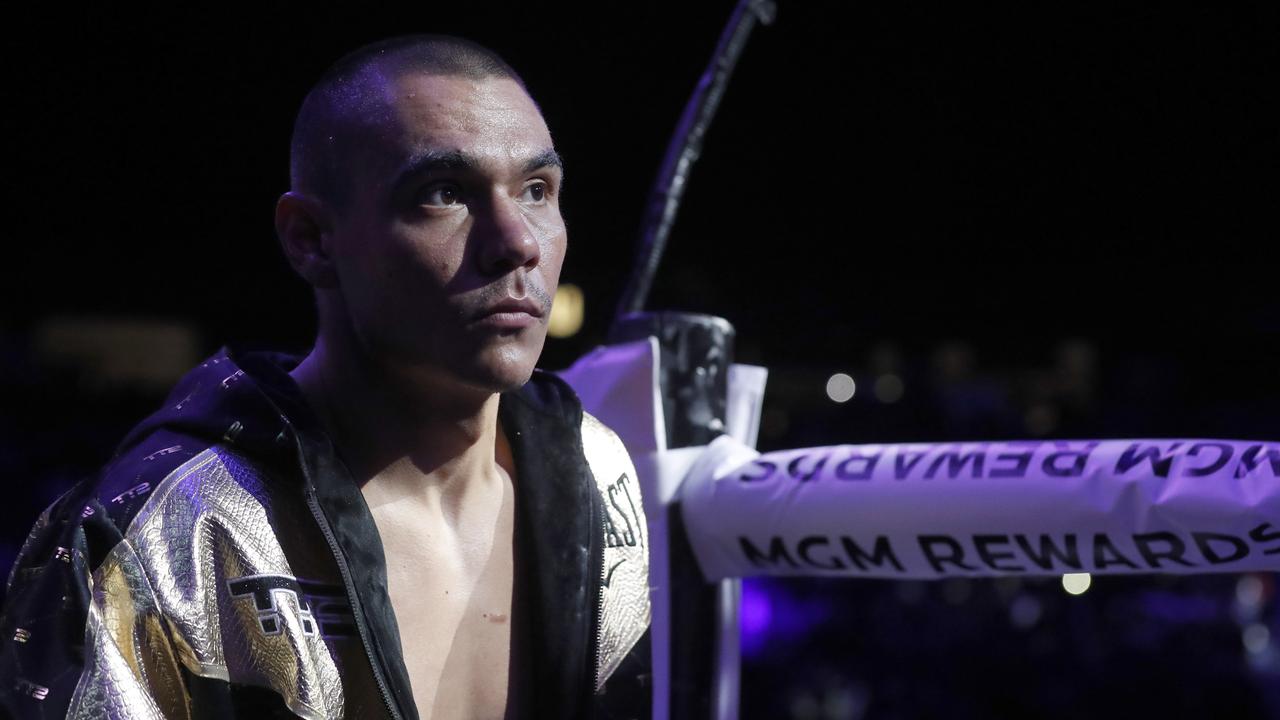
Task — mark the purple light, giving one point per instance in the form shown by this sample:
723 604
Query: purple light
755 614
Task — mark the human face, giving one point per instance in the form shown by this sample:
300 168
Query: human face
450 250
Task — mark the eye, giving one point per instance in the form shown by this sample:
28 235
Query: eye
534 193
440 195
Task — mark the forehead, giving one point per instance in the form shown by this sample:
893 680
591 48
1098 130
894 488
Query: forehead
492 119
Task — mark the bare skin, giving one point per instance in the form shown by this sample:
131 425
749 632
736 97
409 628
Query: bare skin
448 537
409 361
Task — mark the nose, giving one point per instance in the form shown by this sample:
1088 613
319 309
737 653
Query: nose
507 240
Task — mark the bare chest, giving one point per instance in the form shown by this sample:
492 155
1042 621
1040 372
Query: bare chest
451 584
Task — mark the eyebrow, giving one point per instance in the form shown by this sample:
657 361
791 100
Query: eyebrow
457 160
546 158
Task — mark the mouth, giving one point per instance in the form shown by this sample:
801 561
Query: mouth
510 314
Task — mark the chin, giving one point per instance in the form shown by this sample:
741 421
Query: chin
495 381
505 371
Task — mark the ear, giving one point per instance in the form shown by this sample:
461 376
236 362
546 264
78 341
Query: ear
305 229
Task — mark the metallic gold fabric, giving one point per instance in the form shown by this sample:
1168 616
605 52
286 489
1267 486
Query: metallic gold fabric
204 527
201 582
624 599
130 672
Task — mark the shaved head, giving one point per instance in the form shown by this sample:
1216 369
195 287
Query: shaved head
350 103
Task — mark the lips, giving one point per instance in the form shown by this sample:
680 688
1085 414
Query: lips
509 316
512 306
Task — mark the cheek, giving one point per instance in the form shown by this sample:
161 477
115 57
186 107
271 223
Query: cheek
390 278
553 247
414 261
545 225
553 254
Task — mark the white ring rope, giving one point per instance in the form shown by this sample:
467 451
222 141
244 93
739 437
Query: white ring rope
986 509
914 510
925 510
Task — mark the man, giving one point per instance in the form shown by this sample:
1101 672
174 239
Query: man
409 522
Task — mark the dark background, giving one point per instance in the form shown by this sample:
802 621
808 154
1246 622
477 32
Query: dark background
1045 221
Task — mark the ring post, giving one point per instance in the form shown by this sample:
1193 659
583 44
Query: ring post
695 356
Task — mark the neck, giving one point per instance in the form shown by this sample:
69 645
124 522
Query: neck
403 426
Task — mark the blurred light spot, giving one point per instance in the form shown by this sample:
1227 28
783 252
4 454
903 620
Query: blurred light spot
1041 420
955 362
844 703
804 706
1076 583
754 617
1249 591
119 353
1256 638
888 388
840 387
1024 612
567 311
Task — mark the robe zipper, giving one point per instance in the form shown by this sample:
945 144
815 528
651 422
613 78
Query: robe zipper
597 556
357 611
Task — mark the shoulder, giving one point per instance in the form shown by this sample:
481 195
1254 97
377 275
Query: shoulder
606 455
166 465
54 579
624 598
594 431
163 471
84 523
549 398
547 394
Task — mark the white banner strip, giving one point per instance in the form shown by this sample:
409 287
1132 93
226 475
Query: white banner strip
986 509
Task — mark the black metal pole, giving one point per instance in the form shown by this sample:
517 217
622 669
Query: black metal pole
684 149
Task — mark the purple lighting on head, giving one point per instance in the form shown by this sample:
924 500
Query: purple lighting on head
755 613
